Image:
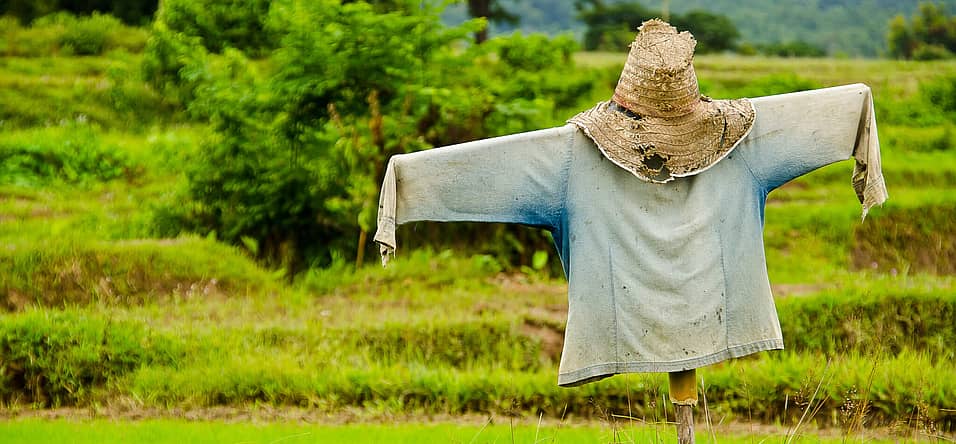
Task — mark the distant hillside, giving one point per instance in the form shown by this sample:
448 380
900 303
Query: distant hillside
841 27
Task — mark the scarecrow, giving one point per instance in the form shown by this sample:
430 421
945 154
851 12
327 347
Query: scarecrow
655 200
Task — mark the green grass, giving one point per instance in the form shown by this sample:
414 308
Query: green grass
729 72
104 90
397 347
524 430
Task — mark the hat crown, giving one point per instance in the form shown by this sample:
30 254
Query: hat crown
658 78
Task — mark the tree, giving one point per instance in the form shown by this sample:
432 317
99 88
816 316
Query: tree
297 157
490 10
301 136
612 27
714 32
931 34
900 39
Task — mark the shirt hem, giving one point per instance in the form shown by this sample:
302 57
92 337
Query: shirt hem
601 371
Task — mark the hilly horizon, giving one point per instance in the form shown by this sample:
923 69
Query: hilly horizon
842 28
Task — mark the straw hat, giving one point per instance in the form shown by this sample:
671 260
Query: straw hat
657 125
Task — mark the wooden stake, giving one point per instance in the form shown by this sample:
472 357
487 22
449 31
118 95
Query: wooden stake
683 394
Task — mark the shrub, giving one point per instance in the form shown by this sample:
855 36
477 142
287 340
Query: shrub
929 35
66 33
220 24
59 358
168 58
931 52
795 48
72 154
534 52
89 35
941 93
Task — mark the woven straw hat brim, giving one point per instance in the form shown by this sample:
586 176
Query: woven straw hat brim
659 149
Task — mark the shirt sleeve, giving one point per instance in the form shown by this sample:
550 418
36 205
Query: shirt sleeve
521 178
796 133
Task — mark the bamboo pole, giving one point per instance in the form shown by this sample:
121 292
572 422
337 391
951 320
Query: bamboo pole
683 394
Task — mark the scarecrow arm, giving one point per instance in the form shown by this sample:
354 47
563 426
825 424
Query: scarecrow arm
518 179
797 133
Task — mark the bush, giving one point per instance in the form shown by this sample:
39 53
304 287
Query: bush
169 59
89 35
66 33
71 154
929 35
941 93
220 24
535 52
931 52
795 48
60 358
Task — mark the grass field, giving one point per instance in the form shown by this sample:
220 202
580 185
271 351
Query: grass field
500 431
101 311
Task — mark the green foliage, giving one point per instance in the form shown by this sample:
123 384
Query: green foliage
134 12
941 94
854 28
219 24
299 155
714 32
612 27
300 150
60 358
104 91
170 63
851 322
934 104
930 35
68 34
535 52
74 271
187 32
72 154
89 36
491 10
796 48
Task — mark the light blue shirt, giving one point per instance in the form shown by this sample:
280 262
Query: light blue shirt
661 277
